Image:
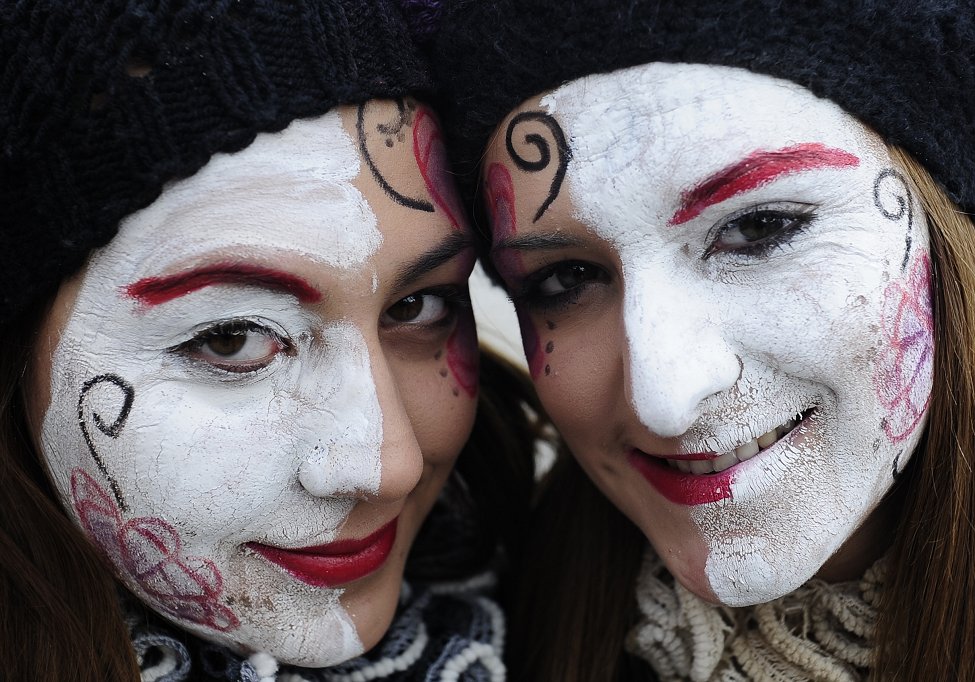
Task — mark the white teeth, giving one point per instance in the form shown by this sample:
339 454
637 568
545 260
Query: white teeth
725 461
742 453
747 451
766 439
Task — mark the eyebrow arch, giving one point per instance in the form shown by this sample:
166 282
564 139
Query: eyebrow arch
535 242
454 244
757 169
152 291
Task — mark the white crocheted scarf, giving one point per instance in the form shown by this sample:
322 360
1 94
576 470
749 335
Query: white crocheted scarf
821 631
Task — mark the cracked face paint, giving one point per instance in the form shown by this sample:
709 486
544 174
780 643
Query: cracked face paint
238 402
740 299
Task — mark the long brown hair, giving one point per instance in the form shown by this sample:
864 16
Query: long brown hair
60 614
926 625
59 611
576 598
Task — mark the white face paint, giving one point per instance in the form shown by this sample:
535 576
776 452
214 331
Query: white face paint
732 252
223 362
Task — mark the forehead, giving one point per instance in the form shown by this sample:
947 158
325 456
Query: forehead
292 190
640 137
694 111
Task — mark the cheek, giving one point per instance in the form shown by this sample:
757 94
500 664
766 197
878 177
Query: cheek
903 376
579 379
440 410
148 552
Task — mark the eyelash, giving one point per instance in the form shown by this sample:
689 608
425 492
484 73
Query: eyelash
455 298
799 217
529 294
194 348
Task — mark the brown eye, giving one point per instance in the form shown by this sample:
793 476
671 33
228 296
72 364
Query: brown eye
567 276
237 346
226 345
406 309
421 309
760 230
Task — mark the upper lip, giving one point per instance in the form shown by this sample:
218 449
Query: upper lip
333 563
336 548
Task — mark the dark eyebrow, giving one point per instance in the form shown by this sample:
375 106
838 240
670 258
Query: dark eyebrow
757 169
453 245
536 242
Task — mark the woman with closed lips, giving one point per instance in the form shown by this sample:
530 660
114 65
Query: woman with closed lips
728 267
246 381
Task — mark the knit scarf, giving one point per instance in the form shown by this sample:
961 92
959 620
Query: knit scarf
821 631
447 632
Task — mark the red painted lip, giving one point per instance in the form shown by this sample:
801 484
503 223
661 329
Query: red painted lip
687 489
335 563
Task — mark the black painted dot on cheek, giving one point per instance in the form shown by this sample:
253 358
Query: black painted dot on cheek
550 324
548 370
550 346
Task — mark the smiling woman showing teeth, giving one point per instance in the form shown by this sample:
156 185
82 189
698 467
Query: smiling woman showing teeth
738 242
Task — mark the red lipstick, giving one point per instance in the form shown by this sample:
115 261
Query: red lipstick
334 563
681 488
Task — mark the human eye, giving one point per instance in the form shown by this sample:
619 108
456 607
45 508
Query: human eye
430 308
239 346
558 285
759 230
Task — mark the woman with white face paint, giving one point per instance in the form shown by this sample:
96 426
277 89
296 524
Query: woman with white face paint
748 308
239 358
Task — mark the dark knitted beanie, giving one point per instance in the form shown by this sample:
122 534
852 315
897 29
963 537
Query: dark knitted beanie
102 102
906 68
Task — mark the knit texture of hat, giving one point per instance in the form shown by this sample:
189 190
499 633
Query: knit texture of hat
102 102
906 68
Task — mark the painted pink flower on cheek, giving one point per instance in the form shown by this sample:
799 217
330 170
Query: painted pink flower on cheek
431 158
150 551
904 372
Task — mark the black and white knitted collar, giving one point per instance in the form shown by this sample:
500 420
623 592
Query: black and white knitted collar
441 633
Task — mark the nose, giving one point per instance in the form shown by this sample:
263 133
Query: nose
675 354
365 447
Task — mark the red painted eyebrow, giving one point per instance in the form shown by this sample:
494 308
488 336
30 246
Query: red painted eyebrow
152 291
757 169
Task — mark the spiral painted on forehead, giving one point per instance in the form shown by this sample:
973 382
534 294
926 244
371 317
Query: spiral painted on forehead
390 130
544 147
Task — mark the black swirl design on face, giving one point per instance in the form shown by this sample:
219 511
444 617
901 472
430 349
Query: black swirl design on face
390 133
543 142
892 196
112 428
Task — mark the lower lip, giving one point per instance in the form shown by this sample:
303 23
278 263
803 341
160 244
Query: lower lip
336 563
680 488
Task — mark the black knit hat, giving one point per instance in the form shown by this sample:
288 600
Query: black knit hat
104 101
906 68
